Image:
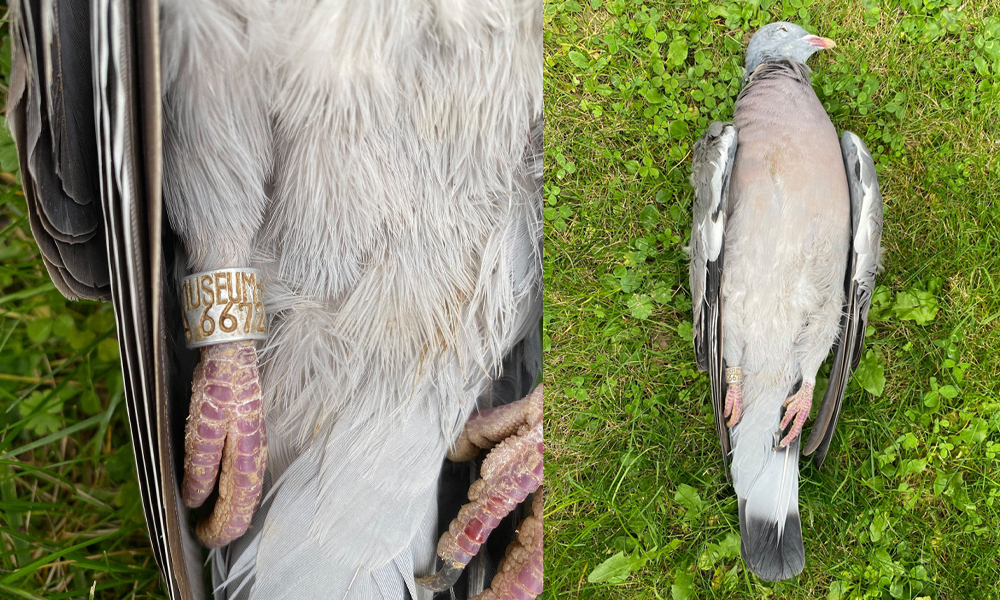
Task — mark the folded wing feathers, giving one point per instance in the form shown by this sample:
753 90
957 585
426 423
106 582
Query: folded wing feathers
50 114
863 266
866 209
710 171
711 167
114 97
67 49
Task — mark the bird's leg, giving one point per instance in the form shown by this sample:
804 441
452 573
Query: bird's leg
218 154
797 407
734 396
520 572
511 471
225 428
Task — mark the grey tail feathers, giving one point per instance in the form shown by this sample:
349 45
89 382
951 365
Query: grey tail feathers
771 552
769 513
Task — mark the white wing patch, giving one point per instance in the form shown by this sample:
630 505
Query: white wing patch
867 262
714 229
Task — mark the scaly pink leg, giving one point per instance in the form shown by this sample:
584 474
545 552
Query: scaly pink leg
734 403
511 471
225 427
796 412
520 573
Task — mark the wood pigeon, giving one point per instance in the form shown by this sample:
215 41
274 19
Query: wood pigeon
784 252
320 226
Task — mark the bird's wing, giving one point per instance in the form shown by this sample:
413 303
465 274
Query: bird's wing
116 95
711 167
84 109
862 266
50 111
126 87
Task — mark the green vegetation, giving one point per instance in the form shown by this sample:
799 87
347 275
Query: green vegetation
637 504
71 522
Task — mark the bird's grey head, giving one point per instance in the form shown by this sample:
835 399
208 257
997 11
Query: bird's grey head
782 41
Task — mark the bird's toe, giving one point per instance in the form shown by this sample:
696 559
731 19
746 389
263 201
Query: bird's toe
225 440
797 409
519 575
734 404
511 471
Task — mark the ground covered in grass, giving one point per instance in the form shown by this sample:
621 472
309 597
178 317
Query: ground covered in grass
638 507
71 522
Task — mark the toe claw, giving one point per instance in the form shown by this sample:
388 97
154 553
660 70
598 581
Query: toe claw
443 579
785 441
786 419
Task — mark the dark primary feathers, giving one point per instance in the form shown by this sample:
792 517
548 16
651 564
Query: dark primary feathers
50 109
82 75
863 264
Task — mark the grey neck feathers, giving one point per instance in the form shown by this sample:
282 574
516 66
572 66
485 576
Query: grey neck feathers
773 69
767 68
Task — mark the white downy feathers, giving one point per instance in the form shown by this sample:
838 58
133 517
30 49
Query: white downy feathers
375 160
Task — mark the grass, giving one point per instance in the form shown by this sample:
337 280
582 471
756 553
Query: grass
71 522
907 503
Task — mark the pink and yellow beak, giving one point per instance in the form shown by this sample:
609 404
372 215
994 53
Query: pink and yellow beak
820 42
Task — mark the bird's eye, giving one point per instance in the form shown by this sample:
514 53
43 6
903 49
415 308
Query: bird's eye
783 28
